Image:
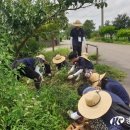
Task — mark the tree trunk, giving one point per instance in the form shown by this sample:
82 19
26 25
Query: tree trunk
21 46
111 37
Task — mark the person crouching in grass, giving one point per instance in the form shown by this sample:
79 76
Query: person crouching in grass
81 64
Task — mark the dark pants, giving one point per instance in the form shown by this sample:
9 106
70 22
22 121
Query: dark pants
78 49
28 72
47 69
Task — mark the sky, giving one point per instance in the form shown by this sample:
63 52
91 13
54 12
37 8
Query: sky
114 8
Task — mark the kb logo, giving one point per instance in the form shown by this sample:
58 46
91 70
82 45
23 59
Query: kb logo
117 120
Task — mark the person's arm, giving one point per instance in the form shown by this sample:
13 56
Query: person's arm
78 72
37 69
71 47
75 74
84 40
83 35
72 69
74 115
71 38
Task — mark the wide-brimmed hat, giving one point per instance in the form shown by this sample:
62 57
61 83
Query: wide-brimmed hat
92 105
85 56
41 56
58 59
77 23
95 78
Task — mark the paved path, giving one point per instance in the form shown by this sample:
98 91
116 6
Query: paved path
112 54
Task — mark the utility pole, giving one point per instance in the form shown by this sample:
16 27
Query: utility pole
102 13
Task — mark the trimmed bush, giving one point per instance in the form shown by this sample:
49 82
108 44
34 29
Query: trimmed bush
124 33
107 30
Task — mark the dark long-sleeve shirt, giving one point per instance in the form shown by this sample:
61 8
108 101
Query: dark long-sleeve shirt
116 88
82 63
75 33
30 62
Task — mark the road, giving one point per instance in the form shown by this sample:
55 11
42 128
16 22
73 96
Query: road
115 55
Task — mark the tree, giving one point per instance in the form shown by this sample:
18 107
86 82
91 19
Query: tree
107 30
67 31
89 27
23 18
121 21
107 23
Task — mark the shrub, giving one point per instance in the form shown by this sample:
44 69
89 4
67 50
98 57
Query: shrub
107 30
124 33
95 34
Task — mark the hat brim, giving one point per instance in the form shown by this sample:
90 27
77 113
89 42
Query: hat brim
41 56
55 61
78 25
85 57
96 83
96 111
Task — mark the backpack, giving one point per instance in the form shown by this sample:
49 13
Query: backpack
124 111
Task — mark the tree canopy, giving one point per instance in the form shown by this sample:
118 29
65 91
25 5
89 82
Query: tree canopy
89 27
122 21
23 18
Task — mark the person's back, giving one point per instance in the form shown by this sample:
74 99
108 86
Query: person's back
109 115
116 88
82 63
30 62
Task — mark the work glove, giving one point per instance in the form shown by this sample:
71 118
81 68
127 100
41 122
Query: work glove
70 76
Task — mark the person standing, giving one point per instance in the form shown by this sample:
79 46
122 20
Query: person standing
77 37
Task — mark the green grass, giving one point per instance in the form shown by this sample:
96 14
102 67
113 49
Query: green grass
93 57
50 54
110 71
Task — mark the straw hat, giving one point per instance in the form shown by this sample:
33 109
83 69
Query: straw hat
85 56
95 78
77 23
41 56
93 104
58 59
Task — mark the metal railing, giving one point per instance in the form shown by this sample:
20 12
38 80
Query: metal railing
97 53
